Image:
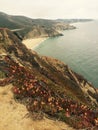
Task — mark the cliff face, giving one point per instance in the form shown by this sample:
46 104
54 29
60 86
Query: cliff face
48 84
41 31
63 26
51 30
25 27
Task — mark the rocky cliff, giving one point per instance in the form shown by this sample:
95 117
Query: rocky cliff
47 85
25 27
41 31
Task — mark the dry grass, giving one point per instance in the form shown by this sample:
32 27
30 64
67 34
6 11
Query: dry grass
14 116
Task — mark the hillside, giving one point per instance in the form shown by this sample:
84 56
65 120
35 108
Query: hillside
47 85
26 27
21 119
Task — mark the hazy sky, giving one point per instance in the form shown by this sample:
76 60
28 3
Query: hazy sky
51 8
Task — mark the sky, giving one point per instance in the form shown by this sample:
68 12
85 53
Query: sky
51 9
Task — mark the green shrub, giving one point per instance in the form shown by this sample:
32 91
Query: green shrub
2 75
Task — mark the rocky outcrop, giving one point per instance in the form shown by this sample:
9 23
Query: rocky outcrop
52 31
63 26
40 31
49 85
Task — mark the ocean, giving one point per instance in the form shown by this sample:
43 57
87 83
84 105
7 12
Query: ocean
78 48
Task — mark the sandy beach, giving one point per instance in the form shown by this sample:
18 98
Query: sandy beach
32 43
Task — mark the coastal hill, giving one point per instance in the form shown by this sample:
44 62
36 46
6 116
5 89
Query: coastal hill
26 27
47 87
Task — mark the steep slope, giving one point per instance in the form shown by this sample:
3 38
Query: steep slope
41 31
7 22
14 115
49 85
30 28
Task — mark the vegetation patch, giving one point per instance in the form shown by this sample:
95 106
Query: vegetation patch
41 98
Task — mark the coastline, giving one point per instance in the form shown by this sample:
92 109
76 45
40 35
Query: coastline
34 42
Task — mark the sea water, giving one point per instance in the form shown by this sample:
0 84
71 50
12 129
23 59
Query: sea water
78 48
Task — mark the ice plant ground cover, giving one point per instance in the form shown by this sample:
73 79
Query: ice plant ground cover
42 98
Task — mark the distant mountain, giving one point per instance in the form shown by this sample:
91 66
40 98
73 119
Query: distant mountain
30 28
73 20
46 85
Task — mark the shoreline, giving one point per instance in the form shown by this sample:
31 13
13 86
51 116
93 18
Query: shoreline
32 43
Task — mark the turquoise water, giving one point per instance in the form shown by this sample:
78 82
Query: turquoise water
78 48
